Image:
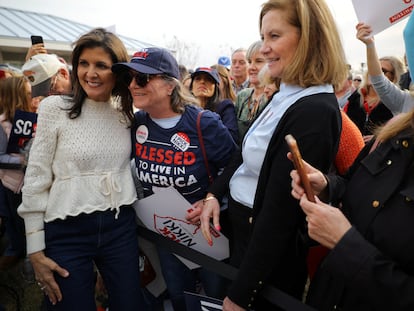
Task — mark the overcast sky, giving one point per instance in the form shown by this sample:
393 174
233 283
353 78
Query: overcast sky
214 27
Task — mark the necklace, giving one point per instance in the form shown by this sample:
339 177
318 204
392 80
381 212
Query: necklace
253 104
253 108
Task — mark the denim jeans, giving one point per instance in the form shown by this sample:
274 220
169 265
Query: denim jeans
77 243
179 278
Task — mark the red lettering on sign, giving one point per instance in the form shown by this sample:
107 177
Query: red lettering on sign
168 234
163 156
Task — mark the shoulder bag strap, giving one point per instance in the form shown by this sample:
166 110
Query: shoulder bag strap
203 149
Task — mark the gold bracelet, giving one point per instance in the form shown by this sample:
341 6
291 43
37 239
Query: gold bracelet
33 232
208 199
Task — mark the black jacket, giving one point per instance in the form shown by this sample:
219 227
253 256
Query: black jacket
372 266
366 122
276 253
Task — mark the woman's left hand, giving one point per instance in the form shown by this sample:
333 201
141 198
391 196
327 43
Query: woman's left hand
193 215
229 305
326 224
45 269
364 32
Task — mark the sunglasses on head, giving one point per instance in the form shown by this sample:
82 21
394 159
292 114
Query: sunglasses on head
141 79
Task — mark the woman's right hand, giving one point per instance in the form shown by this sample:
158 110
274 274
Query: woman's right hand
317 180
35 49
364 32
211 209
44 267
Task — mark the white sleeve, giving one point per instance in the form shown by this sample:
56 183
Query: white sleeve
39 175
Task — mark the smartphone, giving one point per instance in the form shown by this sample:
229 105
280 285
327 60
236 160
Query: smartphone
36 39
299 166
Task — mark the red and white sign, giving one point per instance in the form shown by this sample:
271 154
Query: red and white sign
164 212
382 14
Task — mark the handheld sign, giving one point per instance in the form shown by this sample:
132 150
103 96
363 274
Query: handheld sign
385 14
164 212
196 302
24 126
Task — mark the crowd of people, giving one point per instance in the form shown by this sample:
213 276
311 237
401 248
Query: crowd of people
216 133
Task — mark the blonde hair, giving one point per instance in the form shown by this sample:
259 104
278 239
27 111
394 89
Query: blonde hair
397 124
397 66
180 96
265 78
319 58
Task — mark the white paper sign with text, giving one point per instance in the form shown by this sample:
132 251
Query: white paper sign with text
382 14
164 212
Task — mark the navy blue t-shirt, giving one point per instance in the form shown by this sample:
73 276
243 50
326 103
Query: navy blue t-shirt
173 157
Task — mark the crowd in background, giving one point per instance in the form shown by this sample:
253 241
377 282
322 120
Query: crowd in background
66 193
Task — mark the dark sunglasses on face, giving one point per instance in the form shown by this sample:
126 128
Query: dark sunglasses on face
359 80
141 79
385 71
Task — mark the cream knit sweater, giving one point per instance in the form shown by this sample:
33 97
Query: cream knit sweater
75 166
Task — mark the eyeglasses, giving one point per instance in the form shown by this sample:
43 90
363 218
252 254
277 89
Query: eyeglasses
52 90
385 71
359 80
141 79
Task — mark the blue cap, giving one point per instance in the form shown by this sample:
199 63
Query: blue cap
210 71
224 61
151 60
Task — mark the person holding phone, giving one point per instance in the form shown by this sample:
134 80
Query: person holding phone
269 226
48 75
37 47
370 263
371 260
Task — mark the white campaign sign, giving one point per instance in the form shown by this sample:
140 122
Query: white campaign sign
164 212
382 14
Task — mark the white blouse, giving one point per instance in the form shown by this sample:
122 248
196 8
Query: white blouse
75 166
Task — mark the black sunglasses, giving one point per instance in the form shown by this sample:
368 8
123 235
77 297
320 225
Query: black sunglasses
141 79
385 71
359 80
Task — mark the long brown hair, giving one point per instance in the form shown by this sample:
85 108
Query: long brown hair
228 91
99 37
13 95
